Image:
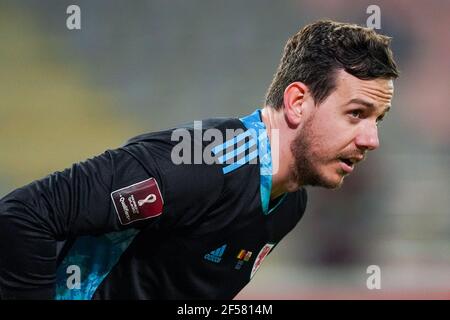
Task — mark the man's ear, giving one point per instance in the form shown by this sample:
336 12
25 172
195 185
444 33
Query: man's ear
294 98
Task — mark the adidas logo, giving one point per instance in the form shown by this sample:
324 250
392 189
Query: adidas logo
216 255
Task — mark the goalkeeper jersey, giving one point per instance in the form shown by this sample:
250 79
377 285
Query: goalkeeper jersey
153 219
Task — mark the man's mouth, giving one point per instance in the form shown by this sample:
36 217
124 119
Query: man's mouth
348 164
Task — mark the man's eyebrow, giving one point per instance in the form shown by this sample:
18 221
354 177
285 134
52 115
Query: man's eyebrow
363 102
367 104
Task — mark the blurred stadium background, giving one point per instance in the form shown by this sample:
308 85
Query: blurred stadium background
138 66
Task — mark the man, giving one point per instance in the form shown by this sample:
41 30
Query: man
144 221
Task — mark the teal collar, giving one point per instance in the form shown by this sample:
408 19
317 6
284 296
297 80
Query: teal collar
256 126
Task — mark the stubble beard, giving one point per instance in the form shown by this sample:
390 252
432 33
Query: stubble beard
305 169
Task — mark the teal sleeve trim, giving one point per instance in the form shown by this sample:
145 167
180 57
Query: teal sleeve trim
90 259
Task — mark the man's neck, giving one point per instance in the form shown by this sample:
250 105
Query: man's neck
273 120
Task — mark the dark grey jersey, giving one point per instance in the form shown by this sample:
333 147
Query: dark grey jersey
133 223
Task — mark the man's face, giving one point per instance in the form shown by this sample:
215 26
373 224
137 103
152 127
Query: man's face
336 134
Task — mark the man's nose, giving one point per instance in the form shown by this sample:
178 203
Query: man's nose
367 138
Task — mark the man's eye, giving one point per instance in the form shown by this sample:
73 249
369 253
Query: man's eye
356 113
380 119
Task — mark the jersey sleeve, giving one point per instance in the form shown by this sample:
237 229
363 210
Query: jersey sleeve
75 201
134 186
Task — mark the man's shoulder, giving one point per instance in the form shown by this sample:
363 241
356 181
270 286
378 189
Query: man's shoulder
221 124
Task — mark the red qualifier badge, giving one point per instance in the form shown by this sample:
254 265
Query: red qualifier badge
139 201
